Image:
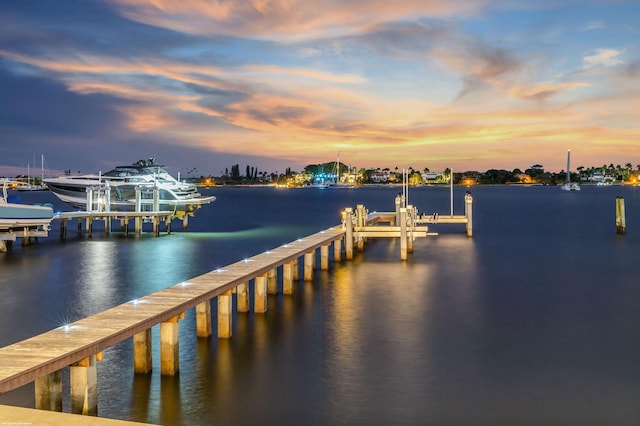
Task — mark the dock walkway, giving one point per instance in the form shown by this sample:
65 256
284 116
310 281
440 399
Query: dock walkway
31 359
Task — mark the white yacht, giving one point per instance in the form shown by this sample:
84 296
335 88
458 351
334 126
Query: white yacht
122 184
568 185
14 215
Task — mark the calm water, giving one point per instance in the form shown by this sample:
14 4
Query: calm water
532 321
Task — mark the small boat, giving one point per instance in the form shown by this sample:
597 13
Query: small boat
127 186
19 216
568 185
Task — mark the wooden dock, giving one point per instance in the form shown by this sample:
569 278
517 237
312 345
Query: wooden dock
123 218
80 345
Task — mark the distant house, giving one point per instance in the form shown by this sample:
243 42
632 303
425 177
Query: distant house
597 177
380 177
431 177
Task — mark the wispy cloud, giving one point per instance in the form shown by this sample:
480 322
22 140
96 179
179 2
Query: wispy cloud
286 20
604 58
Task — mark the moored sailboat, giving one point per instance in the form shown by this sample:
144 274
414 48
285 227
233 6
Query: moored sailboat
568 185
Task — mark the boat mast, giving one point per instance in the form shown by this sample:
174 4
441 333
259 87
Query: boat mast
568 179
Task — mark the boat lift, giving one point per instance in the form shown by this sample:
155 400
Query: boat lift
404 223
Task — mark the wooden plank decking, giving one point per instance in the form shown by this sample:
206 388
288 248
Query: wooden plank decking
26 416
28 360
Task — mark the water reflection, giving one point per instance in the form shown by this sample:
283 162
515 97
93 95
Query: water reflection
96 269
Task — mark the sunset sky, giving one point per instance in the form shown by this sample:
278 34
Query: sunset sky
205 84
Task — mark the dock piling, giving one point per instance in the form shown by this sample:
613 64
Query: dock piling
468 212
242 294
203 319
84 387
142 361
621 227
287 277
308 265
272 282
260 294
403 233
225 309
324 257
169 347
48 390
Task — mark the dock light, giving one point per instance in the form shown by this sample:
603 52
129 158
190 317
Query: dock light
185 284
68 327
267 252
247 260
219 270
285 245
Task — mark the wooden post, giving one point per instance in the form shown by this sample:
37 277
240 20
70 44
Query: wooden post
142 361
287 277
403 233
324 257
84 387
468 212
63 229
272 282
107 225
337 250
398 206
138 224
203 319
308 265
169 347
185 221
242 293
348 239
48 391
296 270
89 227
225 318
156 225
79 226
260 294
361 215
361 221
411 227
621 227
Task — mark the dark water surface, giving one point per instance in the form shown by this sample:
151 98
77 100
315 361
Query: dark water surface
534 320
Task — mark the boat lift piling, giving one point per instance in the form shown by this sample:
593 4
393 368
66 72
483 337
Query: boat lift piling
98 207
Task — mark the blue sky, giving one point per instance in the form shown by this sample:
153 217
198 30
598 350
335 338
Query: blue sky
199 84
